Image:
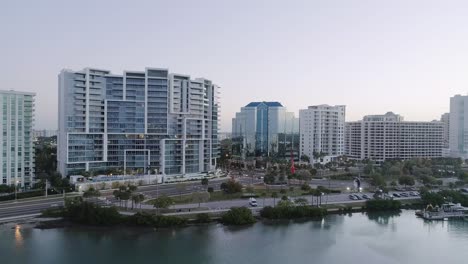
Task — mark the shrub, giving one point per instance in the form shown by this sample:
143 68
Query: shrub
305 187
238 216
158 221
21 195
53 212
210 189
91 214
382 205
231 186
291 212
202 218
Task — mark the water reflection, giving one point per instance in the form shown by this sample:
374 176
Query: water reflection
18 236
382 218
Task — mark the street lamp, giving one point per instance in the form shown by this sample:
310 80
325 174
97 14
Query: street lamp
16 190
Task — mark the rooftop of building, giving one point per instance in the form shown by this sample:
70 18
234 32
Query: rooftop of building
269 104
16 92
324 106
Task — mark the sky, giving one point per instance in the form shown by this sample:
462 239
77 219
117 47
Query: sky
373 56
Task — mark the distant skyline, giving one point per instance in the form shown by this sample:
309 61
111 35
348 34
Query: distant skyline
408 57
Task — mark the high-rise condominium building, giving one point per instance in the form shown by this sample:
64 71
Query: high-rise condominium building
386 137
260 124
17 159
322 129
139 121
44 133
458 130
445 119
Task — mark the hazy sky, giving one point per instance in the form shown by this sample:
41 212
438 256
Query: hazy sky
373 56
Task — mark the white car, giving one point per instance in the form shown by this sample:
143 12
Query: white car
253 202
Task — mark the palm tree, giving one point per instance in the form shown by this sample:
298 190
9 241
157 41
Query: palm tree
138 199
116 194
91 193
263 195
274 195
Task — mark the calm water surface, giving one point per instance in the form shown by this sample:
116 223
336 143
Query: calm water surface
357 238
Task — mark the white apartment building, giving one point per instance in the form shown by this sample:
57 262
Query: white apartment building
17 159
386 137
322 130
138 122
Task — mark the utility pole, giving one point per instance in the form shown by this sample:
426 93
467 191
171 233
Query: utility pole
16 191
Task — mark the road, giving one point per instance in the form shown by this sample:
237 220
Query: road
326 199
29 207
20 208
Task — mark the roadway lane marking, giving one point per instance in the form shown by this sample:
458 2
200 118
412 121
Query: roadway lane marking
10 218
22 206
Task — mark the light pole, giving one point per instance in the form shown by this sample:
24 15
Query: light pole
16 190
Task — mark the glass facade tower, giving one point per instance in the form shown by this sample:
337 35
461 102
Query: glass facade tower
135 122
17 159
260 125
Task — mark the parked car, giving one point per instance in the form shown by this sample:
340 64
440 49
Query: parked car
413 194
396 195
253 202
404 195
365 196
352 197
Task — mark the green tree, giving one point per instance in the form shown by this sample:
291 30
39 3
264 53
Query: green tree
238 216
369 168
301 201
285 203
305 158
304 175
204 182
377 180
305 187
406 180
138 199
91 193
162 202
231 186
394 170
200 197
6 189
